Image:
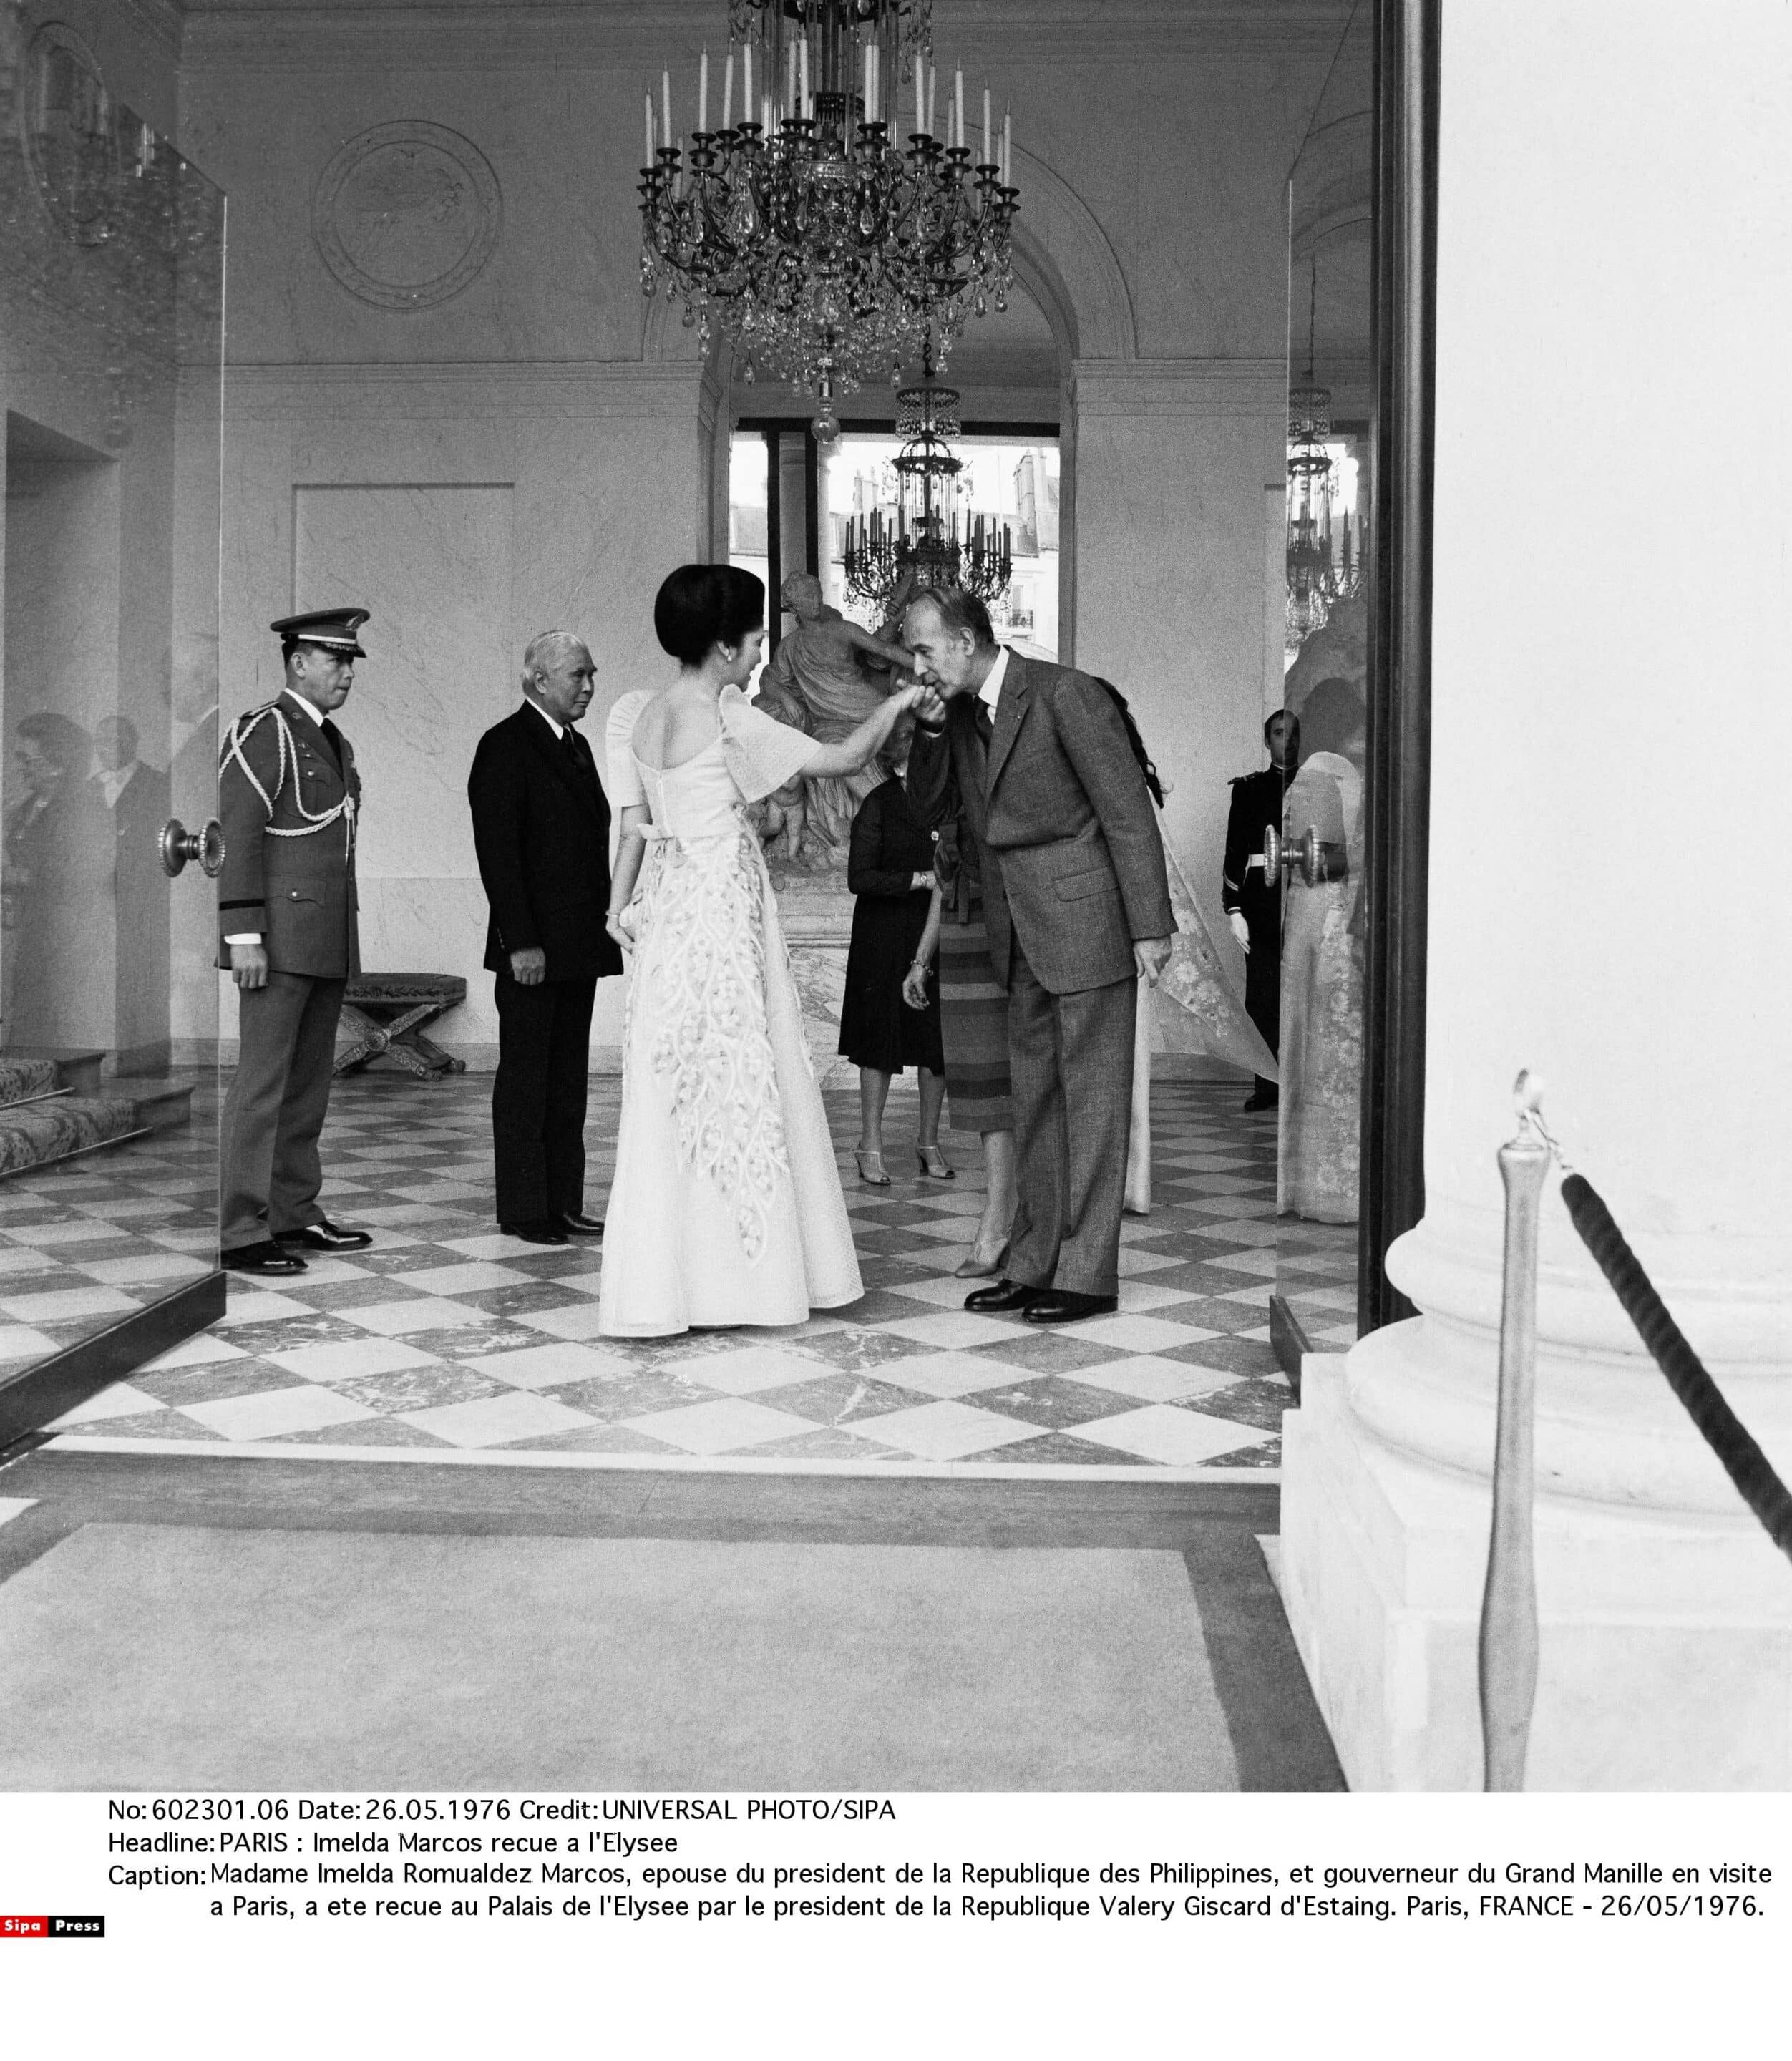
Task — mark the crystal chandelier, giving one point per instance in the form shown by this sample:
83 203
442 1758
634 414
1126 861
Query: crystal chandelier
804 231
924 546
1317 575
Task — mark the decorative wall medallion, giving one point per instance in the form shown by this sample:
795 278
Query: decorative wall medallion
66 124
406 214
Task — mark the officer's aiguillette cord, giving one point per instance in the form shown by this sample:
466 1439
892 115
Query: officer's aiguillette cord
1721 1430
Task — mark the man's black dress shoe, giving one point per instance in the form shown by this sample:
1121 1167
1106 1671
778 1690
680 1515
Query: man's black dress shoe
323 1236
1065 1305
1005 1295
264 1257
537 1232
580 1225
1258 1100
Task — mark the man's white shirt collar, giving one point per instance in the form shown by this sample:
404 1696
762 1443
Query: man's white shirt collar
990 692
309 707
559 729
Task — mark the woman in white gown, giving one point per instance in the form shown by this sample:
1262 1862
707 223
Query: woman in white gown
726 1207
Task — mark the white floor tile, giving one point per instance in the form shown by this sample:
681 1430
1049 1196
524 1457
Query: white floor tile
1132 1333
1136 1297
58 1305
745 1369
25 1259
944 1430
143 1267
262 1306
946 1375
1173 1438
79 1230
346 1359
22 1341
472 1278
276 1411
498 1420
727 1426
548 1366
1150 1380
120 1400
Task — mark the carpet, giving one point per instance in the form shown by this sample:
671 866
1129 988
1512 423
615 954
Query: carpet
150 1656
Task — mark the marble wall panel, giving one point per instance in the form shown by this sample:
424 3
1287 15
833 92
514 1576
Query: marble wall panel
1171 575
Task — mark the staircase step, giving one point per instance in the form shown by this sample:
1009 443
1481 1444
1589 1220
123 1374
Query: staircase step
162 1105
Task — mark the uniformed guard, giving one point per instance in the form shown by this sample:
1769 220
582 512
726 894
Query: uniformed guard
289 795
1253 903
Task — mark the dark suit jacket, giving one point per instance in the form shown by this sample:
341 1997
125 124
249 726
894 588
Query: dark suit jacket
297 891
1072 859
540 827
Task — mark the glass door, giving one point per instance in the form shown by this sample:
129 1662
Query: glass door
1322 837
111 299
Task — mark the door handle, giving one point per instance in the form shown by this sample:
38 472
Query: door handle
1312 860
176 844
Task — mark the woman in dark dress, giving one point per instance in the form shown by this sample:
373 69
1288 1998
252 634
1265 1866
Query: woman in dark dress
889 869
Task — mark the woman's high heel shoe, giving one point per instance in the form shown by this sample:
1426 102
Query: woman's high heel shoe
976 1268
934 1163
870 1169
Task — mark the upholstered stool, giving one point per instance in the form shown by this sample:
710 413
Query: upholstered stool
385 1013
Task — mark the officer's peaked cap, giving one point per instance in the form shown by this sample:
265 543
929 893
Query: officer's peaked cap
337 629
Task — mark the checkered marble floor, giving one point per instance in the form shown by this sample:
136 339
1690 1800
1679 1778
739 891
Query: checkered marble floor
86 1241
448 1339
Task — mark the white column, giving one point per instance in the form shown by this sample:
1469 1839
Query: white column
1612 731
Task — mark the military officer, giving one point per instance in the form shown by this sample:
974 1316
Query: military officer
1253 904
288 796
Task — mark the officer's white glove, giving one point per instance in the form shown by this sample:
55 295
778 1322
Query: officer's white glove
1241 929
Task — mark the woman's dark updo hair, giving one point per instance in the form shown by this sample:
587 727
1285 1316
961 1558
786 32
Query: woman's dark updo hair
698 606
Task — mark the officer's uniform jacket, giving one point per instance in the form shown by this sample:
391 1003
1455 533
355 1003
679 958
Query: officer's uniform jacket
1257 799
289 818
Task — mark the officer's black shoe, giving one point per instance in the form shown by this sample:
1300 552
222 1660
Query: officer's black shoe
323 1236
580 1225
264 1257
1005 1295
539 1230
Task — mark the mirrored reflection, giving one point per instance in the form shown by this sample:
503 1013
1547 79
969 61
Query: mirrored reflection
111 273
1330 526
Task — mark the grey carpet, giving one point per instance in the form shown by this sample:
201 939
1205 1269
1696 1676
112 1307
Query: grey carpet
145 1656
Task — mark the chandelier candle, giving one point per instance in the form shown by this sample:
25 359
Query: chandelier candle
824 247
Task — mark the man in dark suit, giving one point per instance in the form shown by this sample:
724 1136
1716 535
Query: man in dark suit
1076 901
541 826
288 796
1253 903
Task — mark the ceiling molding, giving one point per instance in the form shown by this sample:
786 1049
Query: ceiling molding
1005 35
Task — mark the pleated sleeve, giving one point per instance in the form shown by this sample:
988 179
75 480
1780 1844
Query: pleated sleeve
761 753
624 783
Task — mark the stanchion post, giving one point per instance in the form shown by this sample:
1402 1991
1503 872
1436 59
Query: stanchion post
1509 1602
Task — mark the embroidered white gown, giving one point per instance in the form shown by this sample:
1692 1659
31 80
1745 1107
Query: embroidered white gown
727 1206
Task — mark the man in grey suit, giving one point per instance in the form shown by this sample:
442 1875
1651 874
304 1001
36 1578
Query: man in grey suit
1077 904
288 793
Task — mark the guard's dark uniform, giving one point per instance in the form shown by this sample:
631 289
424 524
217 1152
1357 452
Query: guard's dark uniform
288 796
1257 804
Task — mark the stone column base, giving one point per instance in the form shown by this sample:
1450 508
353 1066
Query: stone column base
1667 1636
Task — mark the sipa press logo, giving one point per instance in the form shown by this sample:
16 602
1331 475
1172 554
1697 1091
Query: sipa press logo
52 1928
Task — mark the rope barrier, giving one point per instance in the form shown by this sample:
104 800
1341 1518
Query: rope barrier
1722 1431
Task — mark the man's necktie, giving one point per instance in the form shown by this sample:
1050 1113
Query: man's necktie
573 746
333 737
985 722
